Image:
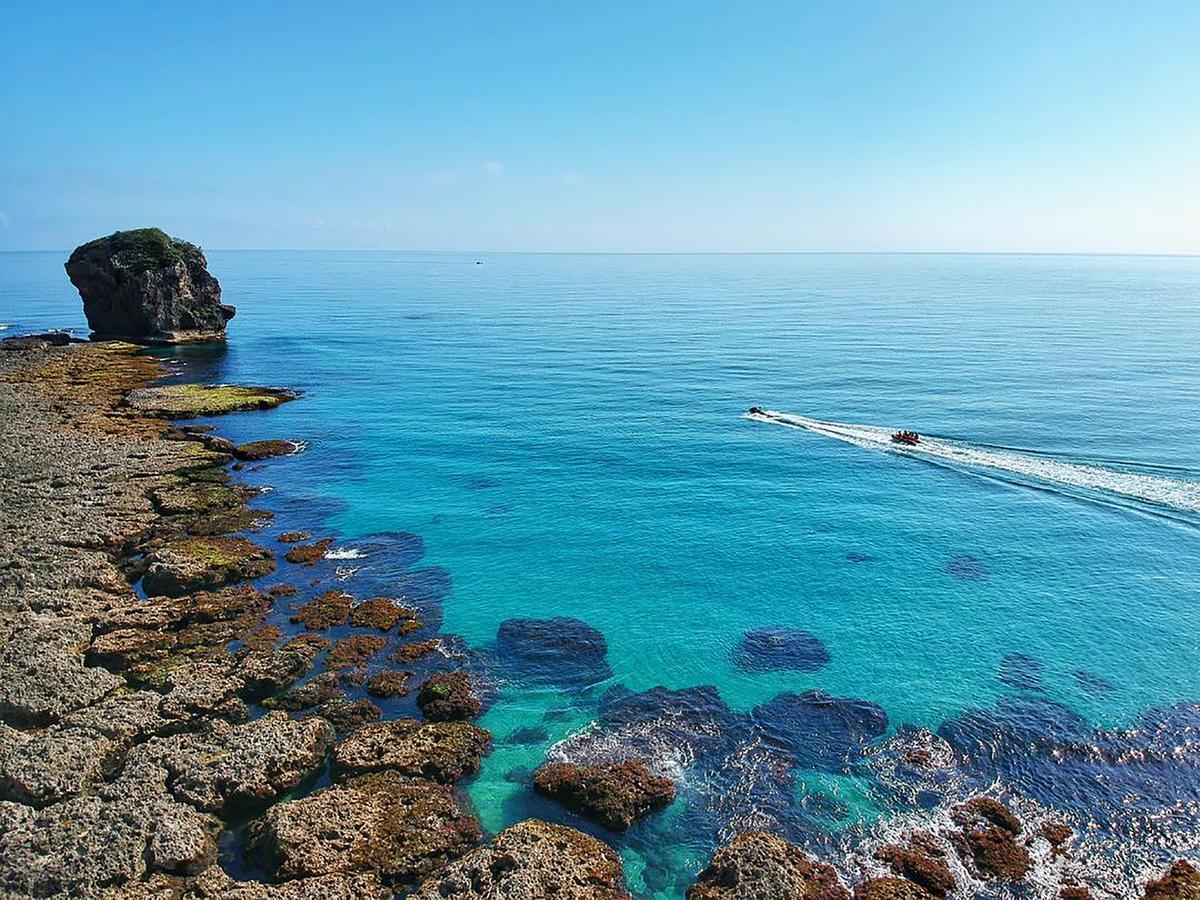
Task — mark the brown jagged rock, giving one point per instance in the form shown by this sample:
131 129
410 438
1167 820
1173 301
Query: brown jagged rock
325 611
148 287
615 796
389 683
1180 882
294 537
928 871
257 450
759 865
353 651
411 652
989 838
307 554
381 613
891 889
440 751
399 828
448 697
532 860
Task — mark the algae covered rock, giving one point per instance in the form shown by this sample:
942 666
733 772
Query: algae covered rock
761 865
400 828
615 796
1181 882
202 563
148 287
532 860
448 697
183 401
441 751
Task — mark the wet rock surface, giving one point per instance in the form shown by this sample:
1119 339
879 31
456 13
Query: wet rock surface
760 865
397 827
448 697
615 796
439 751
532 860
145 286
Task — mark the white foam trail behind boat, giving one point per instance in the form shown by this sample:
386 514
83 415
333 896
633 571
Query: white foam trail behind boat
1175 493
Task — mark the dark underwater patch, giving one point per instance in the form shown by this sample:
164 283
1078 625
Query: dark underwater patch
820 731
855 556
562 651
778 649
966 568
527 736
1093 685
1021 671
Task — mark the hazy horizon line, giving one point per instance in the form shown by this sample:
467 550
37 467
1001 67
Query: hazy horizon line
662 252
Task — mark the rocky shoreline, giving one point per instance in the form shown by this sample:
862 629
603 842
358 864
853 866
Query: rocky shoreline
152 709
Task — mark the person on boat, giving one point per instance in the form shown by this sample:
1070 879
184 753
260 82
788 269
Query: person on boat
755 411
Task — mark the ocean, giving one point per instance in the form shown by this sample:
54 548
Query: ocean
548 436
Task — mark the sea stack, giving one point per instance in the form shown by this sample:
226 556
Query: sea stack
148 287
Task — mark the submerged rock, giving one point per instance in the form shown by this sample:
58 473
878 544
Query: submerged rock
561 651
532 860
615 796
821 731
146 286
441 751
400 828
780 649
760 865
1021 671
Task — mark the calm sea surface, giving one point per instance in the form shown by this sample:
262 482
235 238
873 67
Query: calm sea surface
565 435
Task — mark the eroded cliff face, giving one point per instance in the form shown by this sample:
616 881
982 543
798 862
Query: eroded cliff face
148 287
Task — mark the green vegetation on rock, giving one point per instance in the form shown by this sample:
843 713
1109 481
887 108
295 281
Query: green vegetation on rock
177 401
140 249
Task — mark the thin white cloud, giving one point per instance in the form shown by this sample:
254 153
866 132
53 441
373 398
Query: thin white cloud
571 178
493 168
315 222
3 219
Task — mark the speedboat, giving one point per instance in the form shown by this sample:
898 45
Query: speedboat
908 438
756 411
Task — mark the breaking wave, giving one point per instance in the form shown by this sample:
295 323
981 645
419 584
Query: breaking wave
1025 466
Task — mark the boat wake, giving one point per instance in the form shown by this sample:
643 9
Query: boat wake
1105 483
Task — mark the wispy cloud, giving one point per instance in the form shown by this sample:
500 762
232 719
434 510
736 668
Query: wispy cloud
493 168
571 179
315 222
3 219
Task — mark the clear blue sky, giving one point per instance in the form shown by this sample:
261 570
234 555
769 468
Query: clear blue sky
693 126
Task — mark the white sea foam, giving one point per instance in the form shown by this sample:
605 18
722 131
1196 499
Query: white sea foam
4 326
345 553
1173 493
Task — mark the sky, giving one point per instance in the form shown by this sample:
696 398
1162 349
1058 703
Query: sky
563 126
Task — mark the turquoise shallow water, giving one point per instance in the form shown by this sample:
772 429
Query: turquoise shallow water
565 433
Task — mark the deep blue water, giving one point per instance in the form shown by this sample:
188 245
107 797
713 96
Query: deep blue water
565 434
